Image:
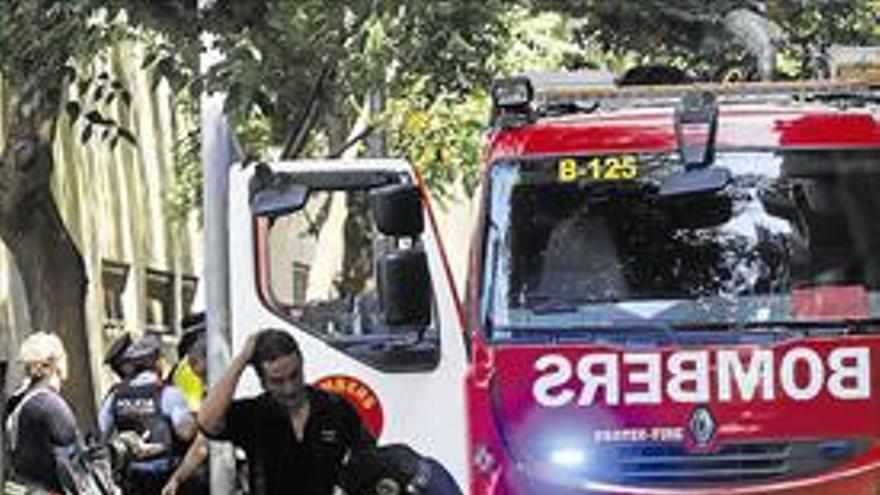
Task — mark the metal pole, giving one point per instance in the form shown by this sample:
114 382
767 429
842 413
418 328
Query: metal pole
3 366
218 153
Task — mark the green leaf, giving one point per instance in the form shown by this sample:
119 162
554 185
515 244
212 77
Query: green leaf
160 71
264 102
82 85
127 135
68 72
99 93
72 108
149 59
95 117
86 133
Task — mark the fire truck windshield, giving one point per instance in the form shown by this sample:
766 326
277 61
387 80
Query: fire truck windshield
598 241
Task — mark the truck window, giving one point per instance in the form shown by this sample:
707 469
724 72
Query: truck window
317 270
574 246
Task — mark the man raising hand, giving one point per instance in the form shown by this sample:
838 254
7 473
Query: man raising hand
295 436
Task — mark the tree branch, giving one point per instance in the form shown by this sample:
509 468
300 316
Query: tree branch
685 15
351 142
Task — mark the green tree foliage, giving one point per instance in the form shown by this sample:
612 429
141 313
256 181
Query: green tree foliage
275 53
53 72
425 57
442 134
690 33
812 27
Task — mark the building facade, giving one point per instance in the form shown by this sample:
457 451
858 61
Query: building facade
144 269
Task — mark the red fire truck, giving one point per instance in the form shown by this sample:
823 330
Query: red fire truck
676 289
672 290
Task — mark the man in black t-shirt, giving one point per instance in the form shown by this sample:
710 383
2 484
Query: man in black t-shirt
296 437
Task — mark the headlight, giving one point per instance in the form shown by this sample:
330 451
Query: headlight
568 457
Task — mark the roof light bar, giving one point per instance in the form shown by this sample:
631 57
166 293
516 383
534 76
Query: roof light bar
719 89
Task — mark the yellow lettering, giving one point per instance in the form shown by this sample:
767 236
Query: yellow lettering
595 168
612 166
628 168
568 171
622 167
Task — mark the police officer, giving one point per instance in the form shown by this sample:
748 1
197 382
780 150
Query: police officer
143 407
190 372
115 357
189 375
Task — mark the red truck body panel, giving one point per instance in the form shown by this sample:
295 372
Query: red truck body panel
597 394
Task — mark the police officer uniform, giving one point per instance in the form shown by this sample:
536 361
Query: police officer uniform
145 406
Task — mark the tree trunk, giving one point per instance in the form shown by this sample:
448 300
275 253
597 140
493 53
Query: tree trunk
356 262
47 259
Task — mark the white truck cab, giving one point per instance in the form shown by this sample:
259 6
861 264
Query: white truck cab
344 255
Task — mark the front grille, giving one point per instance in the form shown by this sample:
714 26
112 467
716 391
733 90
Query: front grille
671 463
732 463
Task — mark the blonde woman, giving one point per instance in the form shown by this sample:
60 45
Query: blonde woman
40 425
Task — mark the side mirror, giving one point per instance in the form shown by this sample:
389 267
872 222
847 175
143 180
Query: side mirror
696 182
404 286
279 200
273 195
397 210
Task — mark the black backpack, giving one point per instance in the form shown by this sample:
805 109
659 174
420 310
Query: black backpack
87 470
395 469
82 469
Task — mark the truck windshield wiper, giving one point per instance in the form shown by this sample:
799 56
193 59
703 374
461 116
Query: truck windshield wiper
550 307
624 331
848 325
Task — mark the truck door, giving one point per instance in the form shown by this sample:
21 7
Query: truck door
304 247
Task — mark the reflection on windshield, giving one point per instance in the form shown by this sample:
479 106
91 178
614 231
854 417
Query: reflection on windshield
321 264
787 225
